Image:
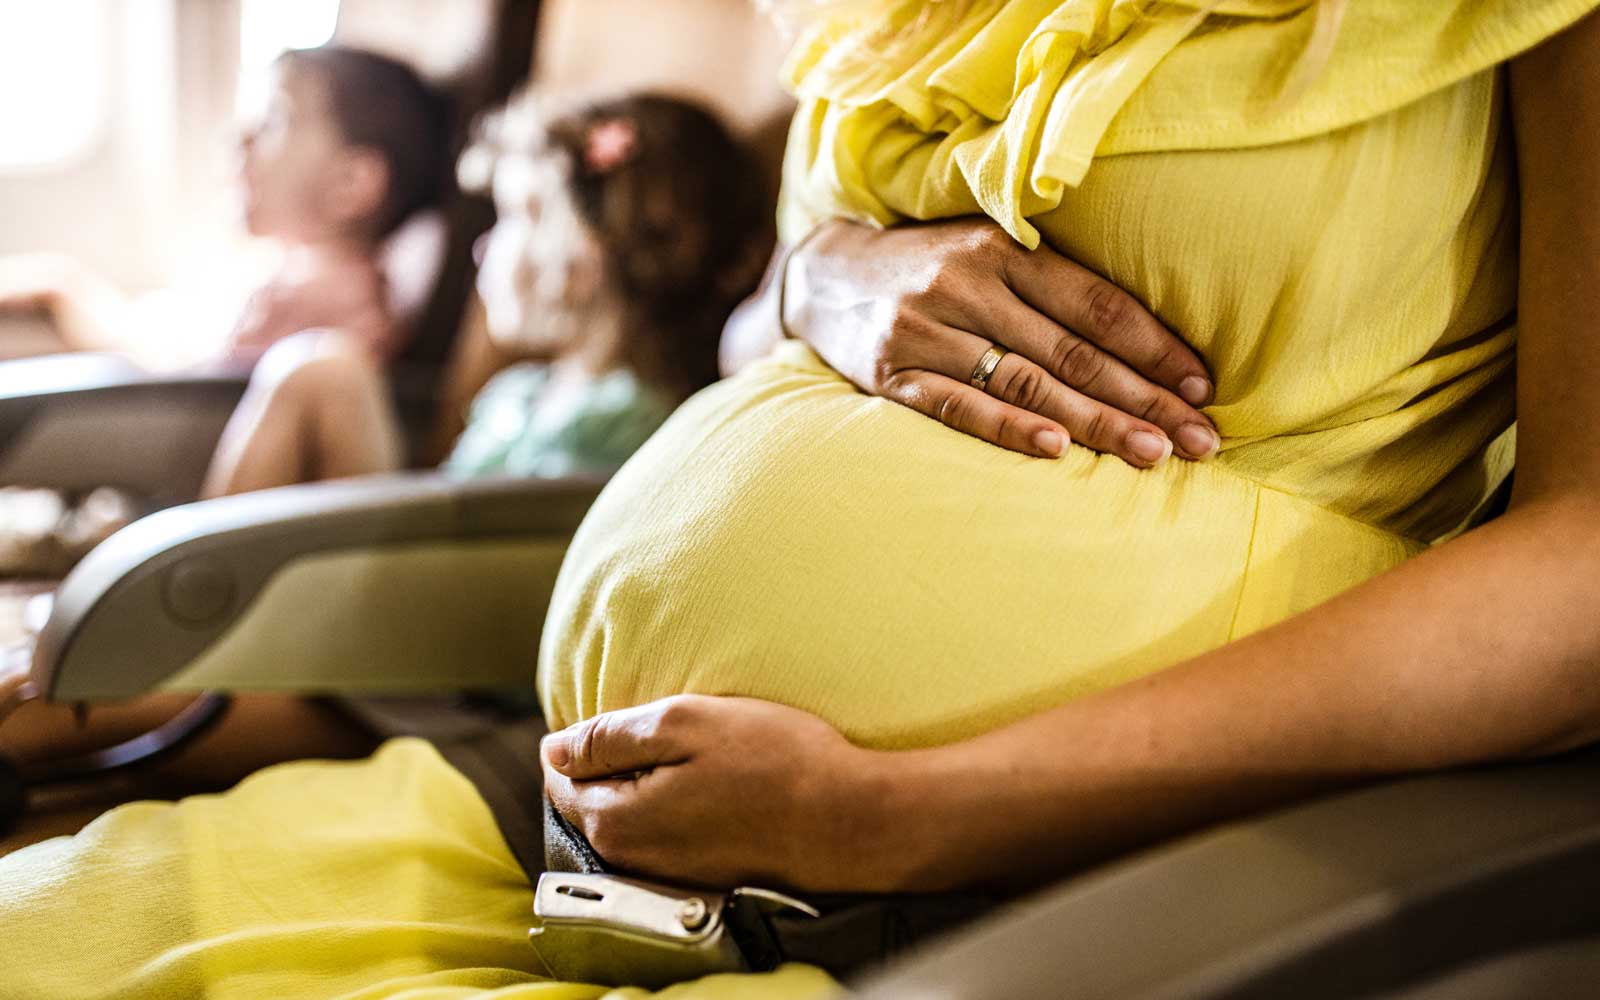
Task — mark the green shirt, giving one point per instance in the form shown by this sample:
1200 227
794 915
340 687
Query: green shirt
508 432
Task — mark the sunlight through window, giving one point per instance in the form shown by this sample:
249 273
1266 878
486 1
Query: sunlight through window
267 27
53 60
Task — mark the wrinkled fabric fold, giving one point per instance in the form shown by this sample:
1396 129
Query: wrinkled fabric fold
996 106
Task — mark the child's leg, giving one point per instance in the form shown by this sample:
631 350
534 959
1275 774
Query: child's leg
317 408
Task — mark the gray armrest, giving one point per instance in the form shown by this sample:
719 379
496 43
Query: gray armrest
77 421
393 584
1452 884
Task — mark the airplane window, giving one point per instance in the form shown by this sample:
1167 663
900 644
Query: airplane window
53 66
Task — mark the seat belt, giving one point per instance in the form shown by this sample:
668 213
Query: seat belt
598 926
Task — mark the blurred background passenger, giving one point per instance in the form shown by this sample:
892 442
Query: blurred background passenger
349 145
144 201
627 230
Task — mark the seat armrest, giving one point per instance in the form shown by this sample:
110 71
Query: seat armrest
1365 893
403 583
77 421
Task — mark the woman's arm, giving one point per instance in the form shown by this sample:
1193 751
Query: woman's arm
1486 647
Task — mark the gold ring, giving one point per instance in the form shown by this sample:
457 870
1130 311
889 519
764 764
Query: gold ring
986 366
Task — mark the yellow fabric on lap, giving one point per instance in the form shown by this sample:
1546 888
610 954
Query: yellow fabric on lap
361 880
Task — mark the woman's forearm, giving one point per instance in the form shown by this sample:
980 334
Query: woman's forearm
1487 647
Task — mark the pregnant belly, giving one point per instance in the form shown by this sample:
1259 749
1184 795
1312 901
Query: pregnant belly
786 537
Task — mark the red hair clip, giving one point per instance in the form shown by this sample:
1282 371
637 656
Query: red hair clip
609 144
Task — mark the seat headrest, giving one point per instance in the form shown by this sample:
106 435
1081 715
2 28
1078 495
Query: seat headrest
411 260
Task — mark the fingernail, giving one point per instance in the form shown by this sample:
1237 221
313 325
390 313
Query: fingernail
1195 390
555 750
1148 447
1050 443
1197 440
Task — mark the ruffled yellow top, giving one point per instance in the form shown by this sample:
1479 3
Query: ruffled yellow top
996 106
1352 288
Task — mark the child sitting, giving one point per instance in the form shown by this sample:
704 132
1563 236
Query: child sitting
349 146
627 231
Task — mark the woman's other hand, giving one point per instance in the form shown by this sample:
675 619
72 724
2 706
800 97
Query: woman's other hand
724 791
907 313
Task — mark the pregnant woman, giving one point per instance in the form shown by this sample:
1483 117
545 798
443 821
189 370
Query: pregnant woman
978 659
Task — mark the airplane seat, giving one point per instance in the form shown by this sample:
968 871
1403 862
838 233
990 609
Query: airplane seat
403 583
1461 885
398 585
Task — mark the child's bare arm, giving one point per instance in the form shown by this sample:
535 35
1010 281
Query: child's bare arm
87 311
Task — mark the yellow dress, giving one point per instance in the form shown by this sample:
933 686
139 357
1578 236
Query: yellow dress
1343 257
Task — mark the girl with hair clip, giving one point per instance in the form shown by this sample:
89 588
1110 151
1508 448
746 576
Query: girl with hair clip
626 232
983 575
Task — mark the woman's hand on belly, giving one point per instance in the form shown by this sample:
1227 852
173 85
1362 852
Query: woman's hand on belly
725 791
909 313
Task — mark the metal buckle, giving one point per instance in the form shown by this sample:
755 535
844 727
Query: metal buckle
627 932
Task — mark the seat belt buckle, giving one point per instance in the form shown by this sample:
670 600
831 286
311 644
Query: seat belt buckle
617 931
